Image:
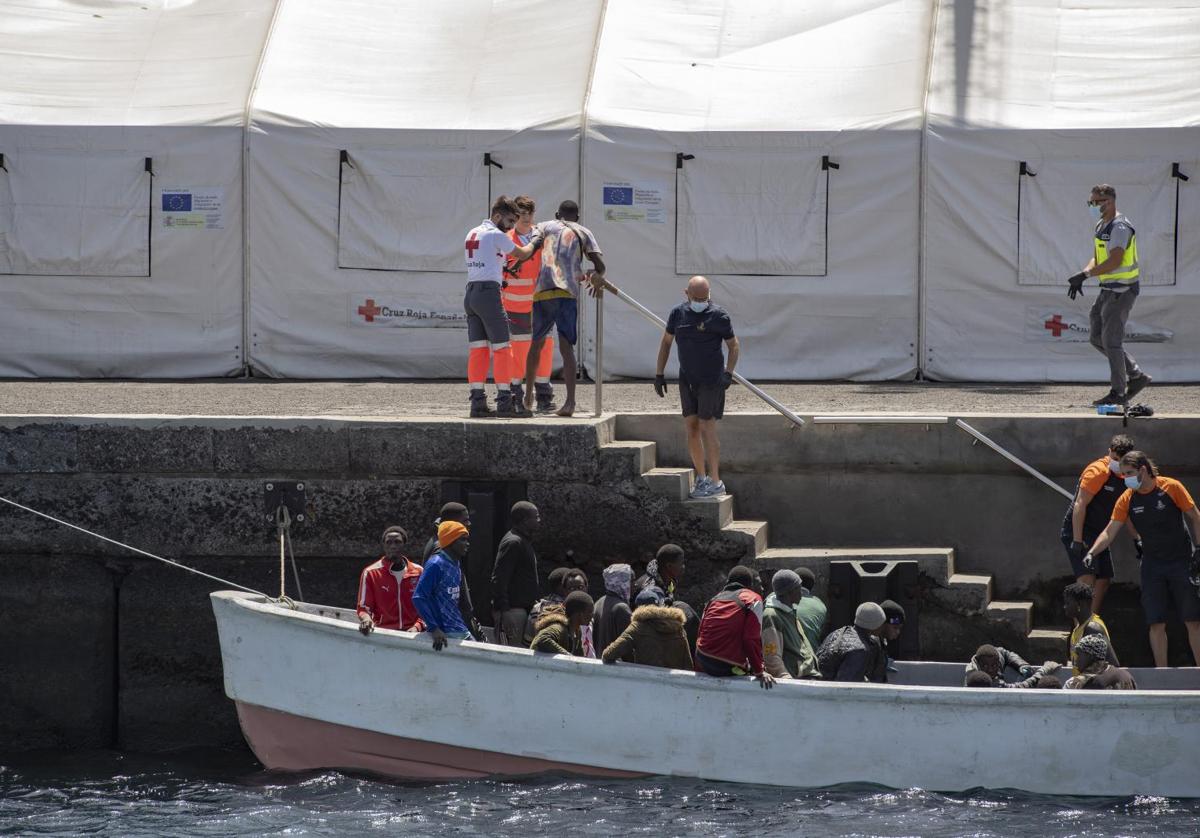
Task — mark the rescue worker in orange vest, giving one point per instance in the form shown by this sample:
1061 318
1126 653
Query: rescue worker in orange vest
521 277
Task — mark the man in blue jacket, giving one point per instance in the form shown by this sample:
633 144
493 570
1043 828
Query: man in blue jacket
437 592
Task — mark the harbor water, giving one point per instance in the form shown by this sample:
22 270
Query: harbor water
226 793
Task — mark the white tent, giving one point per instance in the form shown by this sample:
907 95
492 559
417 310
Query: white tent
379 134
121 187
710 129
1030 104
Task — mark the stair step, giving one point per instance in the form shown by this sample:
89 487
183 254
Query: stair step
714 513
672 483
1019 615
1049 644
935 562
967 593
755 533
641 455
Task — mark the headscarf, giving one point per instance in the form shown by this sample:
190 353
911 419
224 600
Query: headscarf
618 578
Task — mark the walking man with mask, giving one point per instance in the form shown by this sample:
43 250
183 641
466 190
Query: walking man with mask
1114 263
700 327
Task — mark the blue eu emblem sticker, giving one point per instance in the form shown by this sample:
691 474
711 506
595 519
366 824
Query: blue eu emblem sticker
177 201
618 195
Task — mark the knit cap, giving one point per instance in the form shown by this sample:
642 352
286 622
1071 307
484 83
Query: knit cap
450 532
869 616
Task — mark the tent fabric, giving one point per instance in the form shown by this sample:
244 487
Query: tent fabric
102 273
876 188
1081 94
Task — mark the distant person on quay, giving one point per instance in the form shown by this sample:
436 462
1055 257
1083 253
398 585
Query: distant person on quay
700 327
437 593
1160 509
556 297
1114 263
1088 514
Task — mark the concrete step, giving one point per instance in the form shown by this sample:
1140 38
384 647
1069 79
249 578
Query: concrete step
638 456
714 513
1019 615
967 593
672 483
1049 644
755 533
935 562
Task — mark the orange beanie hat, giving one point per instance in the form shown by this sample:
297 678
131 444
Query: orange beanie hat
450 532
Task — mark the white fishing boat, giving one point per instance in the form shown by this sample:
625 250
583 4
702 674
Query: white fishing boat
312 692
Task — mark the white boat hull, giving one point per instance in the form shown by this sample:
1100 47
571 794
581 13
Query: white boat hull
312 692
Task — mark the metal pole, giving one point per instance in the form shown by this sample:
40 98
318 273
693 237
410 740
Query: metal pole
599 352
1013 459
738 377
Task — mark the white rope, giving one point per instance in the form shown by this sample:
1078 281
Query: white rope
135 549
283 519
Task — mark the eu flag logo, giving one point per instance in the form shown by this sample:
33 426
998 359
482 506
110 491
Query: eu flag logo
619 195
177 201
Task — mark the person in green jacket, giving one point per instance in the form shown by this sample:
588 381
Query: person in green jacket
787 652
811 611
560 630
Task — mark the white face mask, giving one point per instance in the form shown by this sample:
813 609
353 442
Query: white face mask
698 306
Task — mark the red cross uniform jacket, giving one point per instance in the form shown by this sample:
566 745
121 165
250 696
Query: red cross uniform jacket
386 595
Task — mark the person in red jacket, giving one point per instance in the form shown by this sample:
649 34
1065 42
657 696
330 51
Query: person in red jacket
730 638
385 588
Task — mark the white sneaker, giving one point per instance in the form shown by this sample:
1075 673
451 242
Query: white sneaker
700 487
711 490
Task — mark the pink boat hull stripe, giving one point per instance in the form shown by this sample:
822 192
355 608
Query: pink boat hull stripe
294 743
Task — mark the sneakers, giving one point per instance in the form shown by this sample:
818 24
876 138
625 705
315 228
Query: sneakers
706 488
1110 398
1137 384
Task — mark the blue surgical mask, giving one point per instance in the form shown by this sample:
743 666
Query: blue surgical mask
1096 212
1114 466
698 306
1132 481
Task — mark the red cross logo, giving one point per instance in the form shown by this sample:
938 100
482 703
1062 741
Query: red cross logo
472 246
1055 325
369 311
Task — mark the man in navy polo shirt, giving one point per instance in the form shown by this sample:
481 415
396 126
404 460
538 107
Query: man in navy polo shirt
700 327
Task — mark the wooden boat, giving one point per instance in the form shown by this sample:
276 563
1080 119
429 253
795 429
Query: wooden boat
312 692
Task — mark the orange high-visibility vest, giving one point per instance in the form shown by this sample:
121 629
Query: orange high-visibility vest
518 296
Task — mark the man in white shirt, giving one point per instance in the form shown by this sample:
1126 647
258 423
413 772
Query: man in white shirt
487 247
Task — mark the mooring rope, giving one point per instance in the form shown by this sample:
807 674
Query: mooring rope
145 553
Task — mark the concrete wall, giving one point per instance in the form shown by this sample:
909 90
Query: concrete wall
103 648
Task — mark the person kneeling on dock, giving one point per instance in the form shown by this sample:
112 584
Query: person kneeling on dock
730 639
786 650
654 637
993 660
1096 673
559 631
385 588
437 592
854 653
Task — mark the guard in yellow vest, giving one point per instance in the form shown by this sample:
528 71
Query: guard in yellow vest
1115 264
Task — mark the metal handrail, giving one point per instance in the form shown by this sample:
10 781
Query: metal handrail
1013 459
658 321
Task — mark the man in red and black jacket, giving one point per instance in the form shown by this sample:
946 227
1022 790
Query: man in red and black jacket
385 588
730 639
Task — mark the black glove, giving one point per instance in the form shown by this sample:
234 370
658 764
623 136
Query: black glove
1137 549
660 385
1089 561
1076 551
726 379
1194 568
1076 283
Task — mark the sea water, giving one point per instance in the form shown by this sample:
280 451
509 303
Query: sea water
226 793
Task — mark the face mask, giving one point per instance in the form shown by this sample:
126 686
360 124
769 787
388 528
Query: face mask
698 306
1114 466
1096 212
1132 481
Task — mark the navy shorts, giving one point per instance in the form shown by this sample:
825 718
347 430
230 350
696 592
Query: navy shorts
704 400
1103 564
562 312
1165 584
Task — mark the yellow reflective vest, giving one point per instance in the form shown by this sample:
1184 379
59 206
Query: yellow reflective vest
1126 273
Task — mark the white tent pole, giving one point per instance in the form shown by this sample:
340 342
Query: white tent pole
738 377
1014 459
